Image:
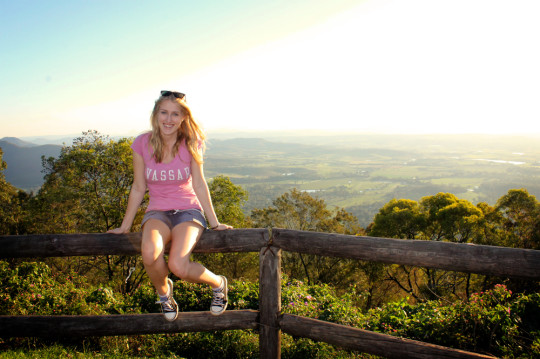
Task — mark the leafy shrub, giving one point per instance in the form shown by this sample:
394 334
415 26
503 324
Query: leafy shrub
301 348
103 296
31 288
493 321
496 321
108 301
244 295
192 297
319 301
144 299
222 344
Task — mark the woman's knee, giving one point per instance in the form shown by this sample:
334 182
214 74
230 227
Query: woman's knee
151 255
180 268
155 235
151 250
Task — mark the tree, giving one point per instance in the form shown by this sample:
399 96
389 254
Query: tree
298 210
519 227
442 217
450 218
455 220
12 202
86 190
87 185
491 226
228 200
398 219
521 219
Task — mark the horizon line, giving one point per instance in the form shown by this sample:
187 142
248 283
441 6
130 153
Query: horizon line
300 132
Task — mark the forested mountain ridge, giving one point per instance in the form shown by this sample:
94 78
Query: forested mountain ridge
363 172
24 168
24 158
359 172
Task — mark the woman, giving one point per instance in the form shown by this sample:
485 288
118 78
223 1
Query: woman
169 162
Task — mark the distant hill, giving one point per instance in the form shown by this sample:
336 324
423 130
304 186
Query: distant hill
51 140
24 161
358 172
253 152
17 142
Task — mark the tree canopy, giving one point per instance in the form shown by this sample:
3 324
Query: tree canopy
87 187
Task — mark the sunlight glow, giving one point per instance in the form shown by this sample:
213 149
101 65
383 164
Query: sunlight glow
390 66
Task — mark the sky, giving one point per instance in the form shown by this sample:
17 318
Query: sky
381 66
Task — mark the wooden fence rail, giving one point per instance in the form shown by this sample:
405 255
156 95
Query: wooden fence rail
61 326
268 320
91 244
366 341
459 257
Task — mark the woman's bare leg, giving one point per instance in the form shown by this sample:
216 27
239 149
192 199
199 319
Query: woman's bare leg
184 237
155 237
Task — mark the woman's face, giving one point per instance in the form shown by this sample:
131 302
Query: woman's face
170 117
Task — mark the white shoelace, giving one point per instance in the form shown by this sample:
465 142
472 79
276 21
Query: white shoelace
218 300
167 305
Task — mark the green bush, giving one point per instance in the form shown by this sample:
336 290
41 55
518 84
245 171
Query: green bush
110 302
301 348
30 288
222 344
144 299
496 321
192 297
243 295
319 301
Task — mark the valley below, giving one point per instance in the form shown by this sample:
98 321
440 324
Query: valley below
358 172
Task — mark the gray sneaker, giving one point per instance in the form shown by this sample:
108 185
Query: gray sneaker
219 302
169 308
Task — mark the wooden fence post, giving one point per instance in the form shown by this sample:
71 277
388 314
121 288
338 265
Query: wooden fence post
270 302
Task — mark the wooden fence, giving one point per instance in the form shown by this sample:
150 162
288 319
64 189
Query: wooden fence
268 320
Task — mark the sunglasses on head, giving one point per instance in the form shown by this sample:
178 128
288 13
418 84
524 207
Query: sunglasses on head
178 95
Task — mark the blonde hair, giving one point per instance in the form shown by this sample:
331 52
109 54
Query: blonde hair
190 131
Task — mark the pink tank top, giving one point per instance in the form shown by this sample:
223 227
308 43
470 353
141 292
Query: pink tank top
169 184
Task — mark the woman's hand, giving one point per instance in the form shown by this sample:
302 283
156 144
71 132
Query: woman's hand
118 230
221 227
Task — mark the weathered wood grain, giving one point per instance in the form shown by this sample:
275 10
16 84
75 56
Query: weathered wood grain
490 260
63 245
270 302
233 240
57 326
368 342
499 261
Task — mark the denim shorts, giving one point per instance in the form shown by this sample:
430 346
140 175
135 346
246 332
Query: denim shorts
176 216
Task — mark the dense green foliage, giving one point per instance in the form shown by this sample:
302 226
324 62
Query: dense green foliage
495 321
86 190
12 204
513 222
298 210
